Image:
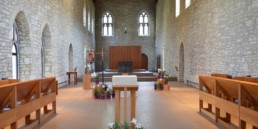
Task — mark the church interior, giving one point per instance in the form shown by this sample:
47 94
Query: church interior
128 64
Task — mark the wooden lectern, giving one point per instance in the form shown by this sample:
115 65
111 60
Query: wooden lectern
125 83
86 81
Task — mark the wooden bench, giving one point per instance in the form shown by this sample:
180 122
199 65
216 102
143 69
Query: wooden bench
235 98
20 100
8 81
247 79
221 75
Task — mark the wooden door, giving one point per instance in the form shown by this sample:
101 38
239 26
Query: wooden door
144 61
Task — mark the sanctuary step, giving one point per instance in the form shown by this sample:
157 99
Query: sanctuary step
142 76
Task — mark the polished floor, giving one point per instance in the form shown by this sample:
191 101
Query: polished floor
175 109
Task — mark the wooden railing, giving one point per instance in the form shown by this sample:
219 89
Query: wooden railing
20 100
236 98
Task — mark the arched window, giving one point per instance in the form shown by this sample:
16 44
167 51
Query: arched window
107 25
15 40
177 8
143 24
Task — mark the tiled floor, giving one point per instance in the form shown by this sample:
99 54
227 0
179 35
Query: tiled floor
175 109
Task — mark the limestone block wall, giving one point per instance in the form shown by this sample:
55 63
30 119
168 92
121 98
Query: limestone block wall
53 24
217 36
125 15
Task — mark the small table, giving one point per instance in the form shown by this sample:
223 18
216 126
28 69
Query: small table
75 77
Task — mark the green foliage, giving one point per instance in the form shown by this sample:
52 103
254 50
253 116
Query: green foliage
126 126
109 92
160 84
116 126
95 90
102 92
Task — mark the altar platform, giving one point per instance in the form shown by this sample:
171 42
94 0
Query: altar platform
142 75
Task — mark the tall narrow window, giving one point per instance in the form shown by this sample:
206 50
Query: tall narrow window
187 3
177 8
143 24
107 24
89 18
84 15
15 40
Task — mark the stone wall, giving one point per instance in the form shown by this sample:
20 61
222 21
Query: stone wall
217 35
54 24
125 14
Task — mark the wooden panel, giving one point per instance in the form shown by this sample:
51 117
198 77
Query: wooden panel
8 81
209 98
249 115
124 53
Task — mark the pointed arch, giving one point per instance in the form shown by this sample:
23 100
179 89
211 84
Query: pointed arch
181 63
21 40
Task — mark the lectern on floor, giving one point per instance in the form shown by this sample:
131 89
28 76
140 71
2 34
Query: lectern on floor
125 83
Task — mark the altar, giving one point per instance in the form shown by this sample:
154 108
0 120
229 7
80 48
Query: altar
125 83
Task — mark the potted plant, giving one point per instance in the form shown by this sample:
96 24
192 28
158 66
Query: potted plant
166 80
126 126
161 86
109 94
96 93
161 72
155 86
102 94
105 87
113 94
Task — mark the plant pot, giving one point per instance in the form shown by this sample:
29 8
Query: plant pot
105 88
97 82
108 96
113 95
161 88
155 87
96 96
102 96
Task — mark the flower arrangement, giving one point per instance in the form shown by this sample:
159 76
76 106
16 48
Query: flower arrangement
115 125
161 72
100 93
96 77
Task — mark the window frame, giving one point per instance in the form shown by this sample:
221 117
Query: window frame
15 42
143 14
107 13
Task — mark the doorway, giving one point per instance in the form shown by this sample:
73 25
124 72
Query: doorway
181 63
144 61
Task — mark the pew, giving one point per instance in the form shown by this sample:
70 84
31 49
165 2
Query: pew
20 100
206 94
227 91
8 81
247 79
221 75
249 105
236 98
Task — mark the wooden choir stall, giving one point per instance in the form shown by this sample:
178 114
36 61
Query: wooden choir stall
230 98
18 100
